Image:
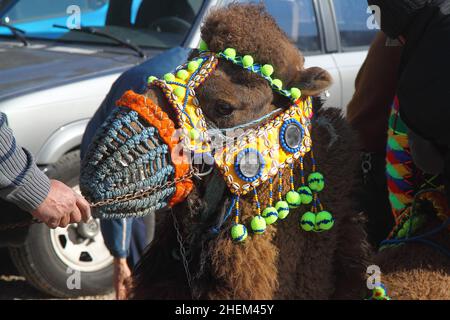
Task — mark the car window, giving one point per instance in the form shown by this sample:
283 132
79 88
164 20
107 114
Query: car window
352 17
153 23
24 11
297 18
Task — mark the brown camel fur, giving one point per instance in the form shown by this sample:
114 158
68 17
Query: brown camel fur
411 271
285 262
417 271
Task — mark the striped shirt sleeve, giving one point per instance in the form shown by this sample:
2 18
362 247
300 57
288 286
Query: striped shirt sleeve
21 181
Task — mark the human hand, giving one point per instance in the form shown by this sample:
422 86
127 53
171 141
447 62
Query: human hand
62 206
122 274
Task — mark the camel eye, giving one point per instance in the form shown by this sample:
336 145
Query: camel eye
224 109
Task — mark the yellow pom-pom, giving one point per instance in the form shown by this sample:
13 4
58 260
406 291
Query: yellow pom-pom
203 46
294 199
283 209
296 93
238 233
230 53
267 70
278 83
247 61
182 74
180 92
270 214
169 77
194 134
258 225
151 79
308 221
324 220
192 66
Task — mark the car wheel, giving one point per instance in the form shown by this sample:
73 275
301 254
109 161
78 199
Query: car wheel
66 262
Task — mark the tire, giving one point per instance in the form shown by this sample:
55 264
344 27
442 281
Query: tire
52 260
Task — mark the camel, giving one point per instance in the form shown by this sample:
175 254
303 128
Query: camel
285 262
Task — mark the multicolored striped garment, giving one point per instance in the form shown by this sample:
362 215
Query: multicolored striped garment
408 185
399 166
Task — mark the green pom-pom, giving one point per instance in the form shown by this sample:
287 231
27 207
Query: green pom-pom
270 214
267 70
293 199
247 61
230 53
169 77
324 220
180 92
401 233
283 209
193 65
203 46
316 181
239 233
306 194
258 225
278 84
296 93
308 221
194 134
182 74
151 79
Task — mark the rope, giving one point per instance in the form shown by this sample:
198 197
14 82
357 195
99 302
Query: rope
421 238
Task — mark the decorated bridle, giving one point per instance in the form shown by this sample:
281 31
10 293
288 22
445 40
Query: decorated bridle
258 156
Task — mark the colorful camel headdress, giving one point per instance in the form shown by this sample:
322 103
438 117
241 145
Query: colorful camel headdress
141 184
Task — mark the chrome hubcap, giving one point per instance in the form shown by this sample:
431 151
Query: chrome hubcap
80 245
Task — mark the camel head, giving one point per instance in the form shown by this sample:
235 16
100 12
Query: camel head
232 95
229 96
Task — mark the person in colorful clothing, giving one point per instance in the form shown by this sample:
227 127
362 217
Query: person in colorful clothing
408 71
423 27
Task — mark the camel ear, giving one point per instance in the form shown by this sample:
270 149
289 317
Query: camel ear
313 81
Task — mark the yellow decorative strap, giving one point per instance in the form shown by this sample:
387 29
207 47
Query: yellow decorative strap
266 149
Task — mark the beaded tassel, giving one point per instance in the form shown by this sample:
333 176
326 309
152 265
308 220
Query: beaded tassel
306 195
317 219
270 214
258 223
293 197
281 206
270 192
238 231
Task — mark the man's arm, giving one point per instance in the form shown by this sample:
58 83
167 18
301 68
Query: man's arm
21 181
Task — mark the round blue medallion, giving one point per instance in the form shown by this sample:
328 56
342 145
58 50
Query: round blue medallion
291 136
249 164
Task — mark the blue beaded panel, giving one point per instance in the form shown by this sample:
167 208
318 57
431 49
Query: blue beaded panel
126 156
